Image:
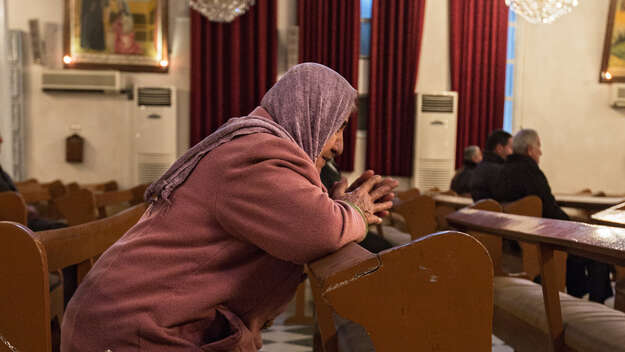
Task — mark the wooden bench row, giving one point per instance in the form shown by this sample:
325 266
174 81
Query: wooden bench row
27 258
76 206
531 317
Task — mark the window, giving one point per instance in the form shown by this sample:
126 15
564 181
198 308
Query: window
365 54
510 60
365 28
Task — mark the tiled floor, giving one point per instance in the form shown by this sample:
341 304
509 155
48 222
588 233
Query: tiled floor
288 338
298 338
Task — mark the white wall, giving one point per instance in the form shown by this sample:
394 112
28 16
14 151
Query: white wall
105 120
558 94
6 156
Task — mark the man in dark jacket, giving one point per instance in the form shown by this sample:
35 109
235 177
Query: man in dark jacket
483 179
520 177
461 183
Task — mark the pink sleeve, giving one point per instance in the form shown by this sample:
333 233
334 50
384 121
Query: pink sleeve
276 204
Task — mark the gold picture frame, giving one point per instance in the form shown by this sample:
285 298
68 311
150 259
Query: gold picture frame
125 35
613 60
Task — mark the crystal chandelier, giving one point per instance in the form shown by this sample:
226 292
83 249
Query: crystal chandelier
221 10
541 11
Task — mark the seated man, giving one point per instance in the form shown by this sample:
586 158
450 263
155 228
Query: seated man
520 177
484 176
461 183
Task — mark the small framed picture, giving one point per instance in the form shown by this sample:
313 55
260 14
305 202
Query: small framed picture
125 35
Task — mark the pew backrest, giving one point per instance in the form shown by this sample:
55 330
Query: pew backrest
107 186
127 197
77 206
419 215
82 244
24 292
33 192
412 297
13 208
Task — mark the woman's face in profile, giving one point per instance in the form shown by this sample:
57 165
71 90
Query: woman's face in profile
332 148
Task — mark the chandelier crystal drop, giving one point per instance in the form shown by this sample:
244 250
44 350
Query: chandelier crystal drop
221 10
541 11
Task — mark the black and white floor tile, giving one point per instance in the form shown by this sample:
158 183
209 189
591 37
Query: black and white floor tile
288 338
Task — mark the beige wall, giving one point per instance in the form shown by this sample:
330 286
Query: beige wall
558 94
104 120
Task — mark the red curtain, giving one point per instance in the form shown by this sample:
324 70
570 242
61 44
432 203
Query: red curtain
396 31
232 66
329 32
478 39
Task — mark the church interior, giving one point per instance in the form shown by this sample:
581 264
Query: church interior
505 230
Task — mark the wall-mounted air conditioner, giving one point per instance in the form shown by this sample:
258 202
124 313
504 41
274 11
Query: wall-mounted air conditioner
435 140
155 131
81 81
618 96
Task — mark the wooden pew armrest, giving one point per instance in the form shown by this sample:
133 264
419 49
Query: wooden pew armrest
351 261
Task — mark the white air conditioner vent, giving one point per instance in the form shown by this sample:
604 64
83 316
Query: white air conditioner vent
435 140
80 80
434 173
618 95
437 103
154 96
151 167
155 129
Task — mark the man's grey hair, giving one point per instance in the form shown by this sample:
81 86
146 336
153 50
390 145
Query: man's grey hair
470 151
523 140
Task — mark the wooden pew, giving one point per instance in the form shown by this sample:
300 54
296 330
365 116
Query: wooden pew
615 216
26 258
586 202
532 206
126 197
540 318
433 294
33 192
107 186
447 204
77 206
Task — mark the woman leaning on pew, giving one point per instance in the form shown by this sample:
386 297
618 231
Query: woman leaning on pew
220 251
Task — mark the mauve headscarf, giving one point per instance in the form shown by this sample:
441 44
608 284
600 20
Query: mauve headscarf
308 104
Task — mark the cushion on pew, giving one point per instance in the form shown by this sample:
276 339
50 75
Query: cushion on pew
520 319
595 328
395 236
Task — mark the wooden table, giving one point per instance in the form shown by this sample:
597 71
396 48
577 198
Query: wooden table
452 201
588 203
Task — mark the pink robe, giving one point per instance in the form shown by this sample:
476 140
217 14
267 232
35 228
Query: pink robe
208 271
